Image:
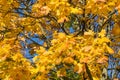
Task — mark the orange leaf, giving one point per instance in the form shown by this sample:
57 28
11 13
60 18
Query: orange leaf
86 48
63 19
85 60
68 60
116 30
115 79
102 60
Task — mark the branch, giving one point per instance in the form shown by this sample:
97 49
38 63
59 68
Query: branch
61 25
29 37
27 15
88 72
109 17
45 36
83 21
64 30
31 40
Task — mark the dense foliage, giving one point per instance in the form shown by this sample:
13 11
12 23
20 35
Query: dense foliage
81 39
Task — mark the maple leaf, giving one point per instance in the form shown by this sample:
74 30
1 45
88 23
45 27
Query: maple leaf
78 68
110 51
22 21
68 60
102 60
85 60
58 61
63 19
102 33
86 48
45 10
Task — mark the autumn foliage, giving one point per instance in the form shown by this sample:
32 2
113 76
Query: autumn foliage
81 39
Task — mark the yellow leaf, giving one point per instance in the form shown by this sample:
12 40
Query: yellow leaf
54 41
17 56
102 33
110 51
61 72
78 68
86 48
34 70
68 60
96 78
76 11
58 61
111 4
85 60
45 10
58 12
42 68
2 24
89 33
10 1
61 36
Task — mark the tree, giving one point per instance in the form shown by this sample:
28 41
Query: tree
81 39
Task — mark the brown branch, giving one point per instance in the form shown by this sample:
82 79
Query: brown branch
28 36
44 36
83 22
61 25
109 17
27 15
88 71
64 30
32 40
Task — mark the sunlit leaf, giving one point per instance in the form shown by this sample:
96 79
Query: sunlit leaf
78 68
